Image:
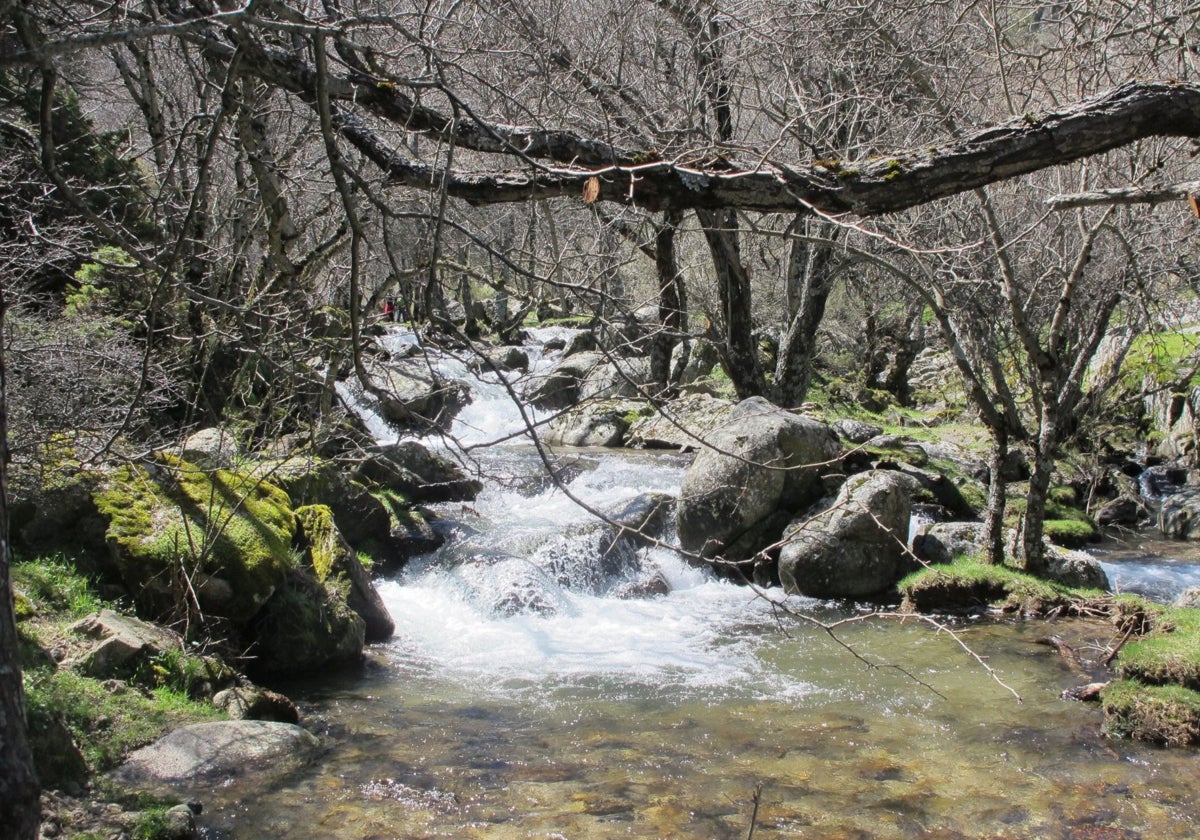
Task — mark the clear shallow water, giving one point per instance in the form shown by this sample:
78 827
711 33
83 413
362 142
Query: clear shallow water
1146 565
524 697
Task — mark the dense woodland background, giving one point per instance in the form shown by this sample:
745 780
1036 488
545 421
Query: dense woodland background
204 206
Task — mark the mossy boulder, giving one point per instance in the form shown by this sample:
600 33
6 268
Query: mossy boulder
422 476
333 561
174 529
305 626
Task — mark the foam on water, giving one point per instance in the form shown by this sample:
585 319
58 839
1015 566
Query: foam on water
680 641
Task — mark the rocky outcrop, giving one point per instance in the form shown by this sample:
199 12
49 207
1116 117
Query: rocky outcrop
760 467
205 755
856 548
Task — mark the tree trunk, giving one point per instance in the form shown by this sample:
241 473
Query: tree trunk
20 811
1035 505
739 353
669 310
810 275
993 523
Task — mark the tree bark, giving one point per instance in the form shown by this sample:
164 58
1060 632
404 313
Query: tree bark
740 353
993 522
810 275
669 309
20 811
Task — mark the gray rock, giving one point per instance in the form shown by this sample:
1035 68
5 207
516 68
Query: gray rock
421 476
856 547
203 755
122 643
680 424
408 395
558 387
758 468
622 379
1177 517
501 358
1074 568
254 703
942 542
211 449
1189 597
1124 510
583 341
856 431
602 423
693 360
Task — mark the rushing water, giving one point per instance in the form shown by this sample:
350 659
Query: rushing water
524 696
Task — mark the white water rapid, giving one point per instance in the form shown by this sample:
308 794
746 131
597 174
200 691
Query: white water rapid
520 597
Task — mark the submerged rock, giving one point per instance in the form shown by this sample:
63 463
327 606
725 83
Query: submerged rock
205 755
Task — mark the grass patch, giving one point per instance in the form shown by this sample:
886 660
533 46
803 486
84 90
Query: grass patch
53 584
105 721
967 583
1161 714
1163 357
1170 654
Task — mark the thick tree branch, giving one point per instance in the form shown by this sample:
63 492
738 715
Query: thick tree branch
1157 194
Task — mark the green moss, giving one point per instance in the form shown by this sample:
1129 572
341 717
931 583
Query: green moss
1169 654
1070 533
967 583
321 533
183 519
1162 714
1165 358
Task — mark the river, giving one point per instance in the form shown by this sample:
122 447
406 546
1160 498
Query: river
523 696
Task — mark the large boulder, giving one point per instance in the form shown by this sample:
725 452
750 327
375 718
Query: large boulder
681 424
176 531
306 626
375 519
335 563
693 360
1178 516
503 358
1075 568
558 387
942 542
757 469
206 755
211 449
855 548
407 394
596 423
618 379
421 476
